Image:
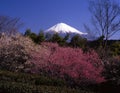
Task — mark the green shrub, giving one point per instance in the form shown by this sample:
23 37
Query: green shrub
13 87
12 82
30 79
78 41
115 49
49 81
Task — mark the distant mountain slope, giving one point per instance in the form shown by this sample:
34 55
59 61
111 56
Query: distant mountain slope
63 29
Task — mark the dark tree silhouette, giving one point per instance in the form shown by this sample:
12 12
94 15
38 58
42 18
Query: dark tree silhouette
40 37
78 41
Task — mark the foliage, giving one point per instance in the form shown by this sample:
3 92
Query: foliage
13 87
37 38
15 52
40 38
27 32
12 82
30 79
31 35
112 71
96 43
58 39
66 37
70 64
115 48
78 41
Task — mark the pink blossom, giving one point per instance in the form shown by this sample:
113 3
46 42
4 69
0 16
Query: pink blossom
62 61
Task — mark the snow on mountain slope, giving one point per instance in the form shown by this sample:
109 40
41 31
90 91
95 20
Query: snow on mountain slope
62 28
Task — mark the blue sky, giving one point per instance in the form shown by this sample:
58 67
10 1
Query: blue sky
42 14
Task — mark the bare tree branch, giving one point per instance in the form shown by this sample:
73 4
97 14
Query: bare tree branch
105 17
9 25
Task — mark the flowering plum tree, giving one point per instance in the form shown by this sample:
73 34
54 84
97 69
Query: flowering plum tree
15 52
70 64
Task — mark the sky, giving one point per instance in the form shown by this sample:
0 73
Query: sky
42 14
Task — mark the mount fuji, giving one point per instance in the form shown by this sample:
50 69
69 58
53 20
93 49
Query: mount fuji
63 29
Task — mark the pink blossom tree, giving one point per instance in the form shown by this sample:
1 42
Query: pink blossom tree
70 64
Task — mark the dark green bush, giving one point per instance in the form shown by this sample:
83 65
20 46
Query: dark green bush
115 49
13 87
49 82
78 41
13 82
30 79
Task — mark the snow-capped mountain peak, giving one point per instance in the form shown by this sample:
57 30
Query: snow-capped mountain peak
64 29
